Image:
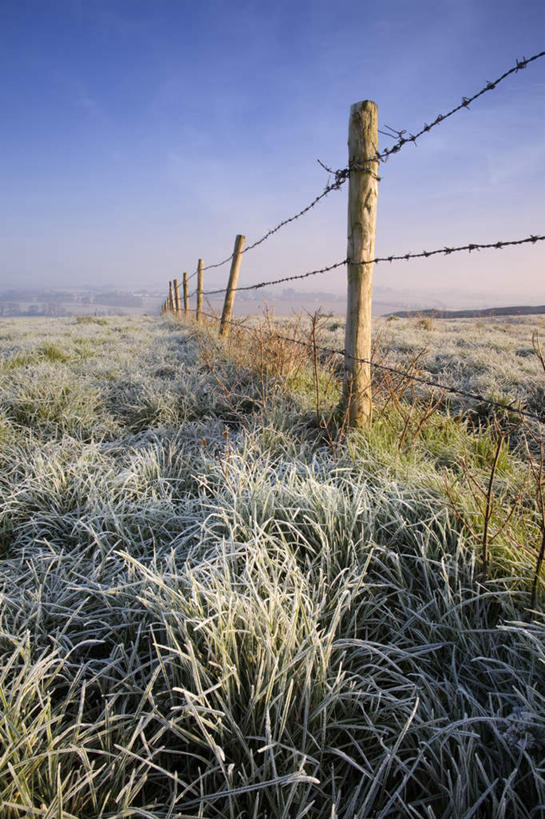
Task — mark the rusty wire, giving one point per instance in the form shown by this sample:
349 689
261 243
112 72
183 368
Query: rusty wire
333 186
466 101
342 174
424 254
446 388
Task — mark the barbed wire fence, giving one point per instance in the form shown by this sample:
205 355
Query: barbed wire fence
364 167
444 388
424 254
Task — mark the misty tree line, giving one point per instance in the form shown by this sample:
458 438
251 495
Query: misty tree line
60 303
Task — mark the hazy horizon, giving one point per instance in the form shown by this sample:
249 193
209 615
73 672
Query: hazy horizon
140 137
88 298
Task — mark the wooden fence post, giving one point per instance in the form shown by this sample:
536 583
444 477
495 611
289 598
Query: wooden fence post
170 297
186 294
231 287
199 290
362 219
177 303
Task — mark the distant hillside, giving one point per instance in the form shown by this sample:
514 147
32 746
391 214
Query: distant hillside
489 311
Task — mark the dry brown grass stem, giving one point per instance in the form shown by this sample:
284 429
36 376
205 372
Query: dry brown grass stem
489 506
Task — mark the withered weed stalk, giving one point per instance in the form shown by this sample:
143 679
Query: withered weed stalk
536 459
536 344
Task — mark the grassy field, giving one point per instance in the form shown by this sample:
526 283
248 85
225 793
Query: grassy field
214 602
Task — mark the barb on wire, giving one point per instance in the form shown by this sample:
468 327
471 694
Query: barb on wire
392 133
447 388
424 254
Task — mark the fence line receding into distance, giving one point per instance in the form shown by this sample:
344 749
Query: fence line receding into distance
342 174
363 180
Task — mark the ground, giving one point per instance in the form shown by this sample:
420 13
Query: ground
213 603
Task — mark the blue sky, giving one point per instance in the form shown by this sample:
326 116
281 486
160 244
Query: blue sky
140 135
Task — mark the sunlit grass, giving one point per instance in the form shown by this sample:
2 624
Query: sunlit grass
208 607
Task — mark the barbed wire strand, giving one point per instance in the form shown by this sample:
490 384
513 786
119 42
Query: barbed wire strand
424 254
466 102
447 388
341 175
333 186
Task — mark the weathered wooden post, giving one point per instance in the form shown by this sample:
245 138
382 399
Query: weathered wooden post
186 294
199 290
362 220
232 285
170 297
177 303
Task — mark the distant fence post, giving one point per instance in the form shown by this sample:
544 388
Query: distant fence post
186 294
362 218
232 285
199 290
177 303
170 297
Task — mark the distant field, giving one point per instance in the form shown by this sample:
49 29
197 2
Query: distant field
492 356
214 602
488 312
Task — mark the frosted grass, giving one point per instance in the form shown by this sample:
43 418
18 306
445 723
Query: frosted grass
201 622
491 356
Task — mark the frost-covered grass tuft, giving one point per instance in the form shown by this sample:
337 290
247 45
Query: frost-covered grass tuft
208 607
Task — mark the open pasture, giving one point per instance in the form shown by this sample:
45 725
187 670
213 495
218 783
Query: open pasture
214 602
